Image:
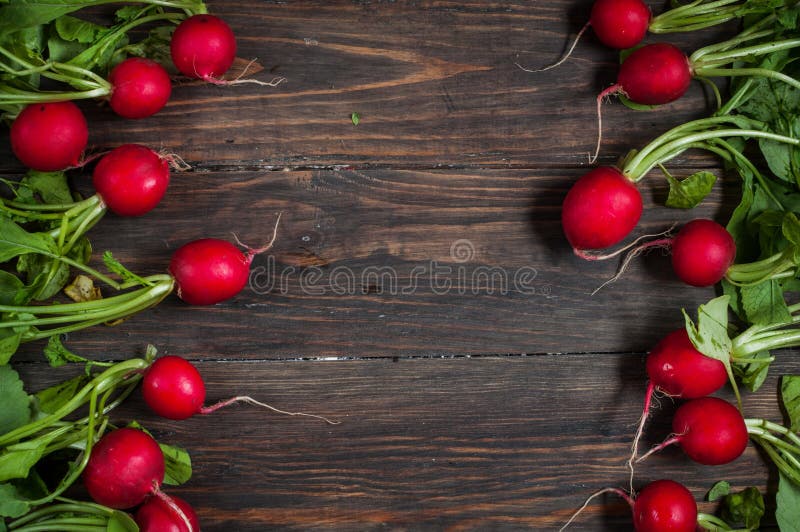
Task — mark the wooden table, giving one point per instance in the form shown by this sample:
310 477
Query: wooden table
420 289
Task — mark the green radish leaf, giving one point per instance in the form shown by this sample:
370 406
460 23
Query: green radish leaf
710 335
355 118
16 409
718 490
787 500
764 303
790 396
745 507
690 191
12 504
121 522
155 46
12 290
51 399
753 374
9 343
22 14
58 355
51 187
74 29
16 241
779 158
17 460
45 275
116 267
178 465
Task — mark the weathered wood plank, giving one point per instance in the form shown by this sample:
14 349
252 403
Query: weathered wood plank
395 263
434 82
429 444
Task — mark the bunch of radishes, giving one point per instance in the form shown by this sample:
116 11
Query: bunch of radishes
603 207
125 468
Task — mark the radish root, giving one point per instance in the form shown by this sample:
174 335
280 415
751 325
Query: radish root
618 491
250 400
563 57
610 91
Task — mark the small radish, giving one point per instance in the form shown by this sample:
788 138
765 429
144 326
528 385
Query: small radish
620 24
140 88
665 506
210 270
702 252
654 74
600 209
131 179
155 515
203 46
49 136
661 506
711 431
124 467
678 369
173 388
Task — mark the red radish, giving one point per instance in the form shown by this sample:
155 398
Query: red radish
49 136
600 209
654 74
209 270
131 179
124 467
620 23
203 46
155 515
702 252
173 388
661 506
710 430
140 88
665 506
678 369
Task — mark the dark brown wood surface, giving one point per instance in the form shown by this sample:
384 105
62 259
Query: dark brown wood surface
420 289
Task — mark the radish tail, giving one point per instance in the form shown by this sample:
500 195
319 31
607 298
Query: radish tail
250 400
618 491
563 57
664 243
610 91
666 443
648 398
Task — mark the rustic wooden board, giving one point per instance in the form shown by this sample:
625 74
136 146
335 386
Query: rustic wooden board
429 444
474 405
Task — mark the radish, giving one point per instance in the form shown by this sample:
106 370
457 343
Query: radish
124 467
173 388
155 515
49 136
702 252
676 368
661 506
131 179
210 270
140 88
710 430
203 46
600 209
620 24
